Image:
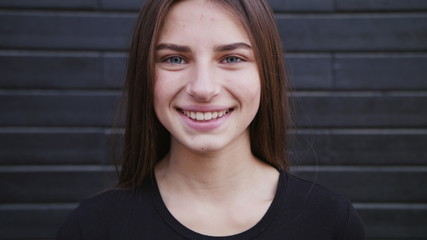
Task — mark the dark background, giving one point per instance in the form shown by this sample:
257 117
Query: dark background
359 70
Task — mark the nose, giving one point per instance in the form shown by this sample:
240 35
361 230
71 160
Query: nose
203 85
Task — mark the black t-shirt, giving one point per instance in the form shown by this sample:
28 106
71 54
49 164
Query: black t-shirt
300 211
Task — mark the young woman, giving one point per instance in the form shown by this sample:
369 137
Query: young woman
205 139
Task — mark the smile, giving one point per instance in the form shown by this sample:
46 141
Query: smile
205 116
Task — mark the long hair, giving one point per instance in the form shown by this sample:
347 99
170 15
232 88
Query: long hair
146 141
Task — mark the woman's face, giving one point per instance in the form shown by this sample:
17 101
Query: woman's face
207 86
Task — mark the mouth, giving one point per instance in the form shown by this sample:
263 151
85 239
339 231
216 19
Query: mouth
205 116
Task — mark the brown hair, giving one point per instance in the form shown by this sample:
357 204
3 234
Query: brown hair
146 141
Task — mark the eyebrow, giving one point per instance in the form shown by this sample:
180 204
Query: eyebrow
232 46
173 47
220 48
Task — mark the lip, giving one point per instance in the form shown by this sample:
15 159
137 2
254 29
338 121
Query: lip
204 125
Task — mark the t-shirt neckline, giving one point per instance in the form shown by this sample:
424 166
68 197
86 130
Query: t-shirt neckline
185 232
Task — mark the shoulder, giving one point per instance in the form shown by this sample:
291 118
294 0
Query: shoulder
315 195
107 210
110 200
323 209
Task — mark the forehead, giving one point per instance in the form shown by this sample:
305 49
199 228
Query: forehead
199 5
197 17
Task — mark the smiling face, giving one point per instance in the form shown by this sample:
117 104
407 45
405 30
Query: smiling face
207 86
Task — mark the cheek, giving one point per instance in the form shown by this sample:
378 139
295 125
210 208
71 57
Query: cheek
255 88
167 86
163 85
167 82
255 85
249 88
160 94
253 93
255 99
158 82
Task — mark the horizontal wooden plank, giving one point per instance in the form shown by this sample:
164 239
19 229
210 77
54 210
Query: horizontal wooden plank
134 5
390 222
348 110
59 109
55 147
32 222
300 32
386 32
62 71
323 110
27 185
378 5
360 184
370 184
114 70
353 71
65 31
301 5
310 71
359 147
69 4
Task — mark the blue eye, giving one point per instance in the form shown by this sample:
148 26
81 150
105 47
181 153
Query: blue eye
175 60
232 59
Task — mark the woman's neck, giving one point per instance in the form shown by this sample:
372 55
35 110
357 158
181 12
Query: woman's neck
212 175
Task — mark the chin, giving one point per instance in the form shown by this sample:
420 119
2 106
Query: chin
211 143
206 147
199 146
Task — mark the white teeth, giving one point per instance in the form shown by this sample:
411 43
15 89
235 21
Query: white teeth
208 116
205 116
199 116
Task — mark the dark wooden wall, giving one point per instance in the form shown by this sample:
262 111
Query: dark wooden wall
359 70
